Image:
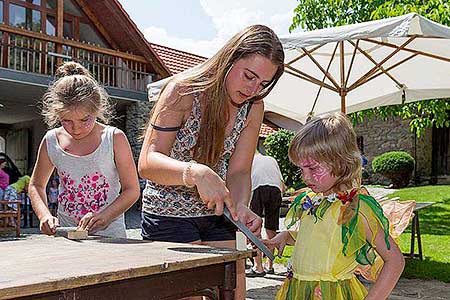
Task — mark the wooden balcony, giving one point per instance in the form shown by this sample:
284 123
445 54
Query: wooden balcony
38 53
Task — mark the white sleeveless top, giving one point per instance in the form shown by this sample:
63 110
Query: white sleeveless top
87 183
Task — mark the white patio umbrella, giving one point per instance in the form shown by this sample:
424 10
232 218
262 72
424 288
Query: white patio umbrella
361 66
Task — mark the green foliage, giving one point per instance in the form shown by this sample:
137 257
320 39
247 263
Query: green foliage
395 165
277 146
394 161
317 14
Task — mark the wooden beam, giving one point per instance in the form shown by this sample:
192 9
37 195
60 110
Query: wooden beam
59 28
54 39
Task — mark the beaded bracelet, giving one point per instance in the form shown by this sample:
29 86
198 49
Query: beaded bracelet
186 172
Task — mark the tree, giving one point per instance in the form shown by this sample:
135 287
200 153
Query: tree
318 14
277 146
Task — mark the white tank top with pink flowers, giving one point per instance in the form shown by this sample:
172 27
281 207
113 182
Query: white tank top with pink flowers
87 183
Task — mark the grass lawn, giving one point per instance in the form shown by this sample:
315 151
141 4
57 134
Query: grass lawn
435 233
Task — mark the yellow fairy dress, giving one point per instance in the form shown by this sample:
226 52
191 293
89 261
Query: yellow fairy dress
330 243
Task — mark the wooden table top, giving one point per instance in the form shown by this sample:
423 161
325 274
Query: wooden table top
38 263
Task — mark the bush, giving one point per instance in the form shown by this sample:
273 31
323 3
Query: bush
395 165
277 146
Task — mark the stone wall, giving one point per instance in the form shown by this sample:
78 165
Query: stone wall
394 135
137 116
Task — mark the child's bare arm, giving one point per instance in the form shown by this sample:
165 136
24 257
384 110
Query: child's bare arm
392 268
36 189
280 241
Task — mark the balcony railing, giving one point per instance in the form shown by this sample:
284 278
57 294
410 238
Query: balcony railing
38 53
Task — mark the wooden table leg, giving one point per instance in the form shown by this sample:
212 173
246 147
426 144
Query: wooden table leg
227 290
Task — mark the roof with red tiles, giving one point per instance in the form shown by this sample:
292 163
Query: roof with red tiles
267 128
175 60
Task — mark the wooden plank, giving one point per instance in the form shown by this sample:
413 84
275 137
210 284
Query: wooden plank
72 233
94 261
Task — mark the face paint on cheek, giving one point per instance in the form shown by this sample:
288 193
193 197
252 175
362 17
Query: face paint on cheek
89 122
321 174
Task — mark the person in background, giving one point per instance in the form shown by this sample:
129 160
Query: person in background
53 196
14 191
4 178
267 189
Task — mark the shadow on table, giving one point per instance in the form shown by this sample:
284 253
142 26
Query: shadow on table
202 250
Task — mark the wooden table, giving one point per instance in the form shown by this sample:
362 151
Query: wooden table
55 268
415 231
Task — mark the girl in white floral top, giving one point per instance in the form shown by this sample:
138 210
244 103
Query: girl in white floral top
98 178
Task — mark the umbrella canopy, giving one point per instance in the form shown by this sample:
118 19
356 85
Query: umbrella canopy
360 66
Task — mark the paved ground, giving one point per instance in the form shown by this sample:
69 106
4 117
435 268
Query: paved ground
266 288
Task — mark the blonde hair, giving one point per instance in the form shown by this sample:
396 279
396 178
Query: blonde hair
209 79
331 140
74 87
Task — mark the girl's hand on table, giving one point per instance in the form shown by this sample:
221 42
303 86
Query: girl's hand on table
48 225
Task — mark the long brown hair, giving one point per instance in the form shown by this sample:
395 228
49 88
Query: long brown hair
330 139
209 79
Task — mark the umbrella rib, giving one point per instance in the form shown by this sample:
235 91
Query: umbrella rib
446 59
352 60
321 69
304 54
370 72
304 76
388 69
369 57
323 80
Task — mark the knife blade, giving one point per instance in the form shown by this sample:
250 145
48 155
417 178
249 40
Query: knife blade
244 229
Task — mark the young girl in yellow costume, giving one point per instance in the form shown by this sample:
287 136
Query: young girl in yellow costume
334 224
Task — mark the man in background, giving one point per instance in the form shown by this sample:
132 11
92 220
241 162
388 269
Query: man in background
267 188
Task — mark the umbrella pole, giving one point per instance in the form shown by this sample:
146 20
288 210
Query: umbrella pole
343 96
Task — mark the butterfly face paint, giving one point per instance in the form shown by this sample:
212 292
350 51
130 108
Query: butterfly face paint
78 123
317 176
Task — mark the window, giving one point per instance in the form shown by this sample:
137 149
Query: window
24 17
68 29
50 26
88 34
1 11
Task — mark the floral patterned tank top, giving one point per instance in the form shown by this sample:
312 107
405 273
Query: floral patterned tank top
87 183
178 200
